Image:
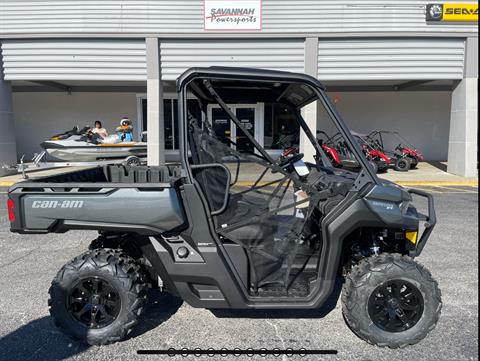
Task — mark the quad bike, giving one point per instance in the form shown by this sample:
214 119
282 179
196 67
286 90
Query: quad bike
341 156
404 157
232 227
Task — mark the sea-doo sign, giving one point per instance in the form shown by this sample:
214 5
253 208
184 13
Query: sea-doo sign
452 12
233 15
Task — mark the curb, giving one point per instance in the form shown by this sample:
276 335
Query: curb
465 183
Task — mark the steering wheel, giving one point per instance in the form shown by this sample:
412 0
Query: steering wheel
290 160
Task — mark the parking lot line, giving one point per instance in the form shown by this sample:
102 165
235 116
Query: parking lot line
450 189
456 189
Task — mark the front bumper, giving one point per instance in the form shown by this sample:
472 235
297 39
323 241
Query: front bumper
430 221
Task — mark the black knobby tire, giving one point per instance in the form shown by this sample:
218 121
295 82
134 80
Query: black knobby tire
374 166
383 169
116 272
413 162
377 271
402 164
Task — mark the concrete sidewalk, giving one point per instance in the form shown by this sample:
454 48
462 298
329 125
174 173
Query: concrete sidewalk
427 173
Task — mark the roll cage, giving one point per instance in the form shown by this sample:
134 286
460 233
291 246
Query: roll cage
278 218
206 92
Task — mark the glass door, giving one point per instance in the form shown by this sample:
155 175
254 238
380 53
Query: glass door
221 124
248 114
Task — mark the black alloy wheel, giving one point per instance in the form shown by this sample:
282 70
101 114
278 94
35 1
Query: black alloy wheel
94 302
395 306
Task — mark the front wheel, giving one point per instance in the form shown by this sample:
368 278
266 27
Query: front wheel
98 297
391 300
402 164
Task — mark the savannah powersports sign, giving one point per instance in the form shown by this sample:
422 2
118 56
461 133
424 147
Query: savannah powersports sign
233 15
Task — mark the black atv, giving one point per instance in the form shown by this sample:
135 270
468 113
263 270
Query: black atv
231 226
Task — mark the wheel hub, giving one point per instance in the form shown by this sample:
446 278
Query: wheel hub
95 299
395 306
94 302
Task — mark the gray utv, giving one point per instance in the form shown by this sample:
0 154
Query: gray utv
239 223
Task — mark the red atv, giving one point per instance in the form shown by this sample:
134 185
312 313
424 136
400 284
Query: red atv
404 156
341 156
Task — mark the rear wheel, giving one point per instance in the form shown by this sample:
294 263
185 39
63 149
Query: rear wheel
383 169
374 166
98 297
391 300
413 162
402 164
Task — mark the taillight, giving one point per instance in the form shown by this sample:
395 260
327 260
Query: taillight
11 215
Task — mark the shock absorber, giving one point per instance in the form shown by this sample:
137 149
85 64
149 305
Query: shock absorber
377 241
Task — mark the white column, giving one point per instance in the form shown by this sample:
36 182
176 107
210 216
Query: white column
155 121
8 147
462 142
309 112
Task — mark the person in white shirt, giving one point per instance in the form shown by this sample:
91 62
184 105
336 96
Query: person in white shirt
98 129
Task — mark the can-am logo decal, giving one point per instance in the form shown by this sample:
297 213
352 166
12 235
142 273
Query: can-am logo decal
452 12
232 15
58 204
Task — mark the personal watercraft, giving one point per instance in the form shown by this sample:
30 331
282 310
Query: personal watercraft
81 145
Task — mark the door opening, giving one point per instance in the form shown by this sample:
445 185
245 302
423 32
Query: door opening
251 116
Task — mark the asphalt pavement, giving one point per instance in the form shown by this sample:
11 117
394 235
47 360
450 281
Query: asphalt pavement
29 262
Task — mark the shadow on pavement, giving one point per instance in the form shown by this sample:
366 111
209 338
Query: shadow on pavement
40 339
160 307
438 165
321 312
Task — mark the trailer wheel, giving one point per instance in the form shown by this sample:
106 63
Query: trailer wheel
133 161
402 164
391 301
98 297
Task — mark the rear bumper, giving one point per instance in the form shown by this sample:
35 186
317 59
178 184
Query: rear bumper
430 221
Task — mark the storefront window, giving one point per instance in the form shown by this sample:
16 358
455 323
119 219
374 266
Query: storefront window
281 130
170 116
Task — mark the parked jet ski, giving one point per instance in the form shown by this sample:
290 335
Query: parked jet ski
81 145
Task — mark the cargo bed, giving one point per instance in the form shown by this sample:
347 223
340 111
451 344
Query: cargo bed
97 198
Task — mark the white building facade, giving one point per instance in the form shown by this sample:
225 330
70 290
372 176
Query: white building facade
385 64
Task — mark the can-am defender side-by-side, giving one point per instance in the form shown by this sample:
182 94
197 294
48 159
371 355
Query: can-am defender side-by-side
234 227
